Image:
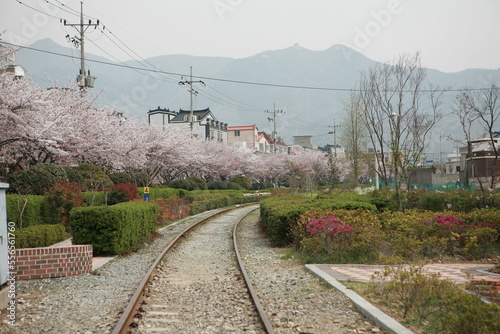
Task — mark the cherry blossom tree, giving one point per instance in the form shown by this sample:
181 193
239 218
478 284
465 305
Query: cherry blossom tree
69 127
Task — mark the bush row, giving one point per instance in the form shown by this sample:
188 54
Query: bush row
160 192
40 236
113 229
35 212
458 200
344 236
279 214
201 203
38 178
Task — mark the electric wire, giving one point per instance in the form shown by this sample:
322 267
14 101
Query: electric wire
153 67
243 82
37 10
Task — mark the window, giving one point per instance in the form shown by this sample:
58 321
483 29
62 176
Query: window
237 133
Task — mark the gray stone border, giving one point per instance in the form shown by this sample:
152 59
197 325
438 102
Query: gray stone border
367 309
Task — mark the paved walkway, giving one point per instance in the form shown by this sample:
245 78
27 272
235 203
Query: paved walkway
97 261
363 273
333 274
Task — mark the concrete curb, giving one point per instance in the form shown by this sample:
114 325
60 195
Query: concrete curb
367 309
102 262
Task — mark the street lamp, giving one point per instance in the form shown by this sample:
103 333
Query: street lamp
377 186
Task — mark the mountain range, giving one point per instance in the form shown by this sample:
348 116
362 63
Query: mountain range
241 91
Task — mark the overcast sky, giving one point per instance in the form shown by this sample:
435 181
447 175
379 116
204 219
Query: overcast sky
452 35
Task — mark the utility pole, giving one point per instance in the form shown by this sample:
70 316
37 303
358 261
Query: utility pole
191 93
82 79
334 132
273 119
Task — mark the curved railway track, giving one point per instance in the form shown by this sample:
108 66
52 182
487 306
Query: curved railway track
181 293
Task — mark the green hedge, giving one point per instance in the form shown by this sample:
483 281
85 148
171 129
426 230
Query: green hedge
93 198
204 202
155 193
113 229
40 236
279 214
34 213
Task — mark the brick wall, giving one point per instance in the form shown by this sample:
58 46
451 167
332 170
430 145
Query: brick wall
48 262
490 289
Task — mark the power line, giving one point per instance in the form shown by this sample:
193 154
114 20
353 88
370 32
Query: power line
105 32
37 10
254 83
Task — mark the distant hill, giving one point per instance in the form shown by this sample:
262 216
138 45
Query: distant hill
240 98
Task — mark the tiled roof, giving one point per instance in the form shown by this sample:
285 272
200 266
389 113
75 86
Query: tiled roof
243 127
200 114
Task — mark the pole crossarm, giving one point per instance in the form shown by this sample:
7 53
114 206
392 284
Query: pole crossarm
81 27
192 92
273 119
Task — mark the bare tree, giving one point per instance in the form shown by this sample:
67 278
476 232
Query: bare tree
353 134
484 106
396 120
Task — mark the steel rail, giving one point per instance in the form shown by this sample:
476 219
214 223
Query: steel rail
128 315
258 305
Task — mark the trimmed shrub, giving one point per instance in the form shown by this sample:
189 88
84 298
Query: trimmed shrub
40 236
339 236
156 193
200 183
457 200
217 185
94 198
234 186
93 177
60 199
34 212
243 181
122 192
416 234
57 171
172 209
384 199
118 178
30 181
74 175
113 229
279 214
186 184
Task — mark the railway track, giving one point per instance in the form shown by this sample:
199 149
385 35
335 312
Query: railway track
198 288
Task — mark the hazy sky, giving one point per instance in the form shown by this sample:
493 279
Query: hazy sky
451 34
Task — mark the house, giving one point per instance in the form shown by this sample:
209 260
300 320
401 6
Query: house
481 164
281 147
244 136
265 142
304 141
200 124
17 70
160 116
336 150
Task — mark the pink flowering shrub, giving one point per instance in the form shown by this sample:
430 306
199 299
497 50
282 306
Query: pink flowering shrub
338 236
329 234
449 235
330 225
